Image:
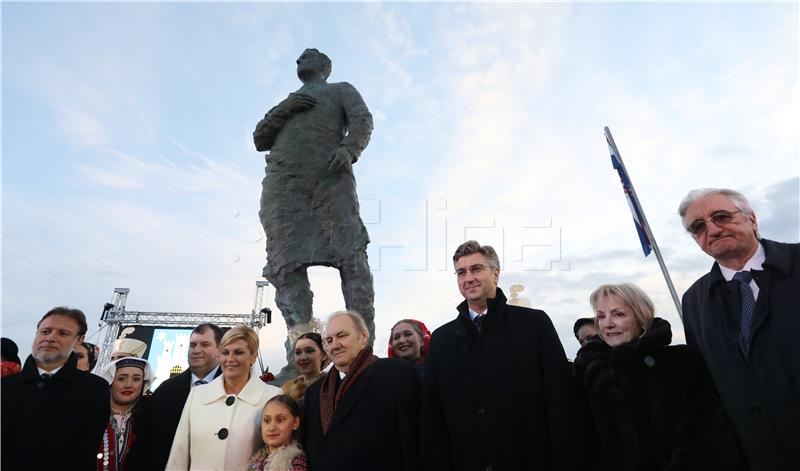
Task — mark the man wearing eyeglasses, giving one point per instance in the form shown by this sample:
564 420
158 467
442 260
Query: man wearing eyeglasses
744 316
498 391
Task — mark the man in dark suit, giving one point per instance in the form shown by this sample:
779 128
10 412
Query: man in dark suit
364 413
499 392
52 413
744 316
168 400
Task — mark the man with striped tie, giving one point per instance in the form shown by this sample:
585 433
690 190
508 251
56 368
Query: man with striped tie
168 400
744 316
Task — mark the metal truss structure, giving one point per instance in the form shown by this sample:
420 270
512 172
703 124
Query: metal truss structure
115 316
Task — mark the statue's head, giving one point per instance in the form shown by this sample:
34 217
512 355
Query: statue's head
313 63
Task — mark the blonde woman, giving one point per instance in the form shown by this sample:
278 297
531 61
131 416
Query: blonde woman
220 427
654 406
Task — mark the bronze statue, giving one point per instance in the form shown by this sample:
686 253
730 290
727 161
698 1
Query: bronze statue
309 207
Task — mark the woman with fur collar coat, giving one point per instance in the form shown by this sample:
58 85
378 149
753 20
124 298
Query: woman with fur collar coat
653 406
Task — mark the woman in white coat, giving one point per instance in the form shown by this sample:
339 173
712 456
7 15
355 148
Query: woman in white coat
220 427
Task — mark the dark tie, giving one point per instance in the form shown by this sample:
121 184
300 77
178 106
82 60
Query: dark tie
479 320
46 375
199 382
748 303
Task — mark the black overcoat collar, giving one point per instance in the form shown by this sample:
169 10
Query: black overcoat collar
495 307
776 256
30 372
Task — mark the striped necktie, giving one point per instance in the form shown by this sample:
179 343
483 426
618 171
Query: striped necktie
199 382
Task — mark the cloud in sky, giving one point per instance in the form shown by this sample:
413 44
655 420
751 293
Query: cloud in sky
780 216
128 159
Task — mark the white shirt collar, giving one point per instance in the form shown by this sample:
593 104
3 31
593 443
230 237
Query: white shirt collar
54 371
208 378
473 314
756 262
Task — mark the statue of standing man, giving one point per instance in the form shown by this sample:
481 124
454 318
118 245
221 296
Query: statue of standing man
309 207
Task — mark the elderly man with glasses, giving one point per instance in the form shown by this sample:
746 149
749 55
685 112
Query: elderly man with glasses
744 316
498 391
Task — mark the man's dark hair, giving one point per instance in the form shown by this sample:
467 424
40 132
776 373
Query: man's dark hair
75 314
472 246
218 333
580 323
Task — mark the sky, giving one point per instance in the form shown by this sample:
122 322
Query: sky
128 161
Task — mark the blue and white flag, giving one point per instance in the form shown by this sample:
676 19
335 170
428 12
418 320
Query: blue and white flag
636 211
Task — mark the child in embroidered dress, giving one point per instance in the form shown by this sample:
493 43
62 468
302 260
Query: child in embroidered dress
280 427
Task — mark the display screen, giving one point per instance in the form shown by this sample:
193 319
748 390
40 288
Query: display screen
167 349
168 353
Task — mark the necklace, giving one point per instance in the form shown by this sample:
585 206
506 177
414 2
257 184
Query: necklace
105 451
117 428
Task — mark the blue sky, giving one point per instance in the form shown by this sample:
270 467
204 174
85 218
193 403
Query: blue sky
128 158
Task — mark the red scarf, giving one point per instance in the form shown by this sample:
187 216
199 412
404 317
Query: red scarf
8 368
332 392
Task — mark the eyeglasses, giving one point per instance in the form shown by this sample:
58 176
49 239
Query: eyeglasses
474 270
720 218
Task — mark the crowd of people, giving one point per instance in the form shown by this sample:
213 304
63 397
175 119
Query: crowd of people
490 390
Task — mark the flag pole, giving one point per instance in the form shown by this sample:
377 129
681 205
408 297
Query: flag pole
645 224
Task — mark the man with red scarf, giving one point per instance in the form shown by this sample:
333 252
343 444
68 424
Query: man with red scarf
364 414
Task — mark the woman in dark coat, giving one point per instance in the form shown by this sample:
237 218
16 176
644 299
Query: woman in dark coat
653 406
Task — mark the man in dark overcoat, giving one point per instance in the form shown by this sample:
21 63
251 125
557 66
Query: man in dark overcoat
52 413
498 392
166 403
744 316
363 414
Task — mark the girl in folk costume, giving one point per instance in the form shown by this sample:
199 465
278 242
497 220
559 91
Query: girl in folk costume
129 378
280 425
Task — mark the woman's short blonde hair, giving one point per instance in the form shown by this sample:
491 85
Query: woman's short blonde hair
637 300
241 332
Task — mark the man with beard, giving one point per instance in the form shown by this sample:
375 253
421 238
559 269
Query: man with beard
743 315
52 413
129 377
168 400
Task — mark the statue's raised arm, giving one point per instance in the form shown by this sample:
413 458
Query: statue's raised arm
269 127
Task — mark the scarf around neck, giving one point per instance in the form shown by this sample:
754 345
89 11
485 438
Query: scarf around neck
332 392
